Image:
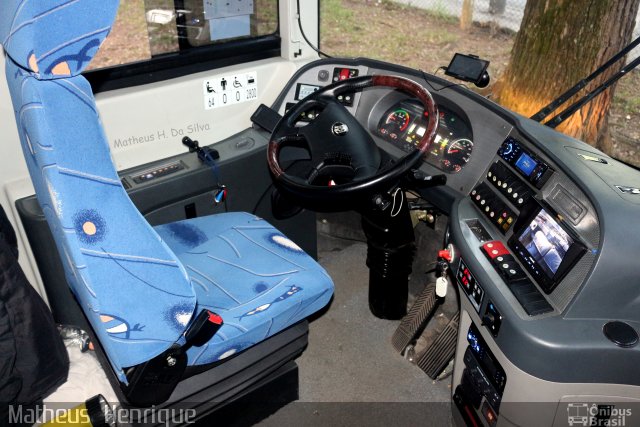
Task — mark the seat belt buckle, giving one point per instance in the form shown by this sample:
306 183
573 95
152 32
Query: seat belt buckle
203 328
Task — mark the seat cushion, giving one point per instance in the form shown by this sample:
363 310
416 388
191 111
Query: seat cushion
248 272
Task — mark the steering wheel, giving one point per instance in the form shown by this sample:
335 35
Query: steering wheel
346 164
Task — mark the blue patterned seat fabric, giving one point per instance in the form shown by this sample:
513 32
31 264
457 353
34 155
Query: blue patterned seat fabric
248 272
140 287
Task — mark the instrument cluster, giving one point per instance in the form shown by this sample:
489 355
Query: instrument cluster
405 123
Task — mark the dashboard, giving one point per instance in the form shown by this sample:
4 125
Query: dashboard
503 188
541 229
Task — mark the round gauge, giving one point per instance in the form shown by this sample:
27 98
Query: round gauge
456 155
397 121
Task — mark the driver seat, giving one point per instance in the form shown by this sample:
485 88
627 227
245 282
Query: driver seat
167 302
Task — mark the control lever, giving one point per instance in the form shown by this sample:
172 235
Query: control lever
204 153
422 180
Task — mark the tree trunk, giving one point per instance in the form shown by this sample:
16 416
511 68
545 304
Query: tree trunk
559 43
466 15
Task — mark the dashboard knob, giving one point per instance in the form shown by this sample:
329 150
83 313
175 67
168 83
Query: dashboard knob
488 319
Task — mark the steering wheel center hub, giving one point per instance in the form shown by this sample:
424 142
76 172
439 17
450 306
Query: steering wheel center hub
339 129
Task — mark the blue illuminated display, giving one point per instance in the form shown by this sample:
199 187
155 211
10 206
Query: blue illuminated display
526 164
510 150
474 342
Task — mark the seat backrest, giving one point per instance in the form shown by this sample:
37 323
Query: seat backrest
134 291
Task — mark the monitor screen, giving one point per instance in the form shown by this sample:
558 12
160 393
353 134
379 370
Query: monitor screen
546 242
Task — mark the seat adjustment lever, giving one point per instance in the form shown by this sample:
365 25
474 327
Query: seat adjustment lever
203 328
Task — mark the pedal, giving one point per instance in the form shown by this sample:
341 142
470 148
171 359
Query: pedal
435 357
416 319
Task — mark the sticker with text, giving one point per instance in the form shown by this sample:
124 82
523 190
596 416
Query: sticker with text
230 89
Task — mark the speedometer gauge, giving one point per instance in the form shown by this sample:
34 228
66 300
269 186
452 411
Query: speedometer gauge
396 122
456 155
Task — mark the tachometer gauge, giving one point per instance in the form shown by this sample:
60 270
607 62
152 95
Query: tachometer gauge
396 122
456 155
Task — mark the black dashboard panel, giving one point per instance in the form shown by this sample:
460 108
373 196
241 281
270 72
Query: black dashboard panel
515 169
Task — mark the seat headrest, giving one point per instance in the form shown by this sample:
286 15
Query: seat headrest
55 38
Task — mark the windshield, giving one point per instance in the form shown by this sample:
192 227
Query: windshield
424 34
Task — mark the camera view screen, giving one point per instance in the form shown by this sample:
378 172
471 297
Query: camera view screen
546 242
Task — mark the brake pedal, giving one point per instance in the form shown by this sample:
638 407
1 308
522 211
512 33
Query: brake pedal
416 319
436 356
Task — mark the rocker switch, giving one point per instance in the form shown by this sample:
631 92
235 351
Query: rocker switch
494 249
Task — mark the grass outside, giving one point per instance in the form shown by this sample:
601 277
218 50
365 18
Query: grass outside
406 35
379 29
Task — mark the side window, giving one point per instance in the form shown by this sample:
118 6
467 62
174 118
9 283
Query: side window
146 29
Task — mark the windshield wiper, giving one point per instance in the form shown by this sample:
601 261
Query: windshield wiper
566 113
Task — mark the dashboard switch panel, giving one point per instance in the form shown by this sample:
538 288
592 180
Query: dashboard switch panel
346 98
516 191
471 286
509 269
493 208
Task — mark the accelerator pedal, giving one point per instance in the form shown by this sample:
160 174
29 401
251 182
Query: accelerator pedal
416 319
436 356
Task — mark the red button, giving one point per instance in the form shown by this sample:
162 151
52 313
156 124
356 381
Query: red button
344 74
214 318
495 249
